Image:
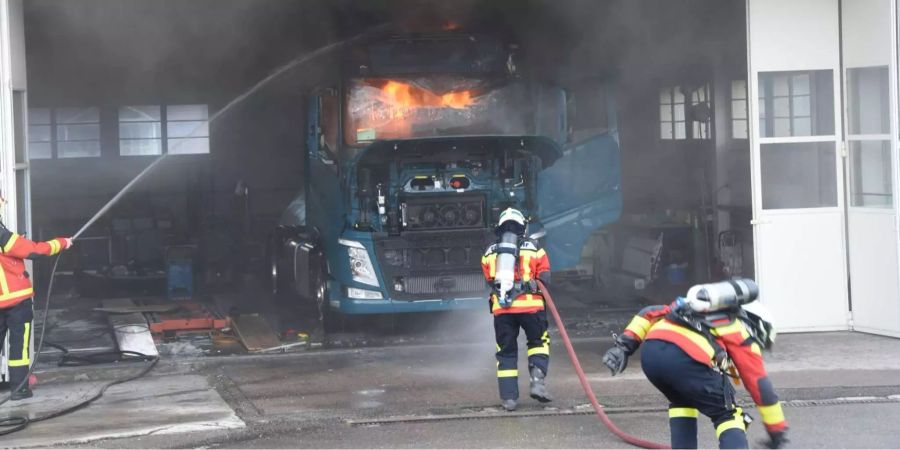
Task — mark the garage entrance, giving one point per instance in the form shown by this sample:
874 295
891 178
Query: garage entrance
781 170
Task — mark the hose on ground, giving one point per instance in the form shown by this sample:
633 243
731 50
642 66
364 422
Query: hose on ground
601 414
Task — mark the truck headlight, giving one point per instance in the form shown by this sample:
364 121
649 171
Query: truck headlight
363 294
360 264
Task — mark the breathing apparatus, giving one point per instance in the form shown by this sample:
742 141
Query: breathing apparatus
510 229
736 299
724 295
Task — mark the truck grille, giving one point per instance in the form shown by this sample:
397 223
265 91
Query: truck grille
429 264
442 284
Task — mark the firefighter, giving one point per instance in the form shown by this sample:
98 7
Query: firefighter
511 267
16 311
692 347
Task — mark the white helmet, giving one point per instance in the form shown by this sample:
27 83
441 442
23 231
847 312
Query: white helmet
761 324
513 220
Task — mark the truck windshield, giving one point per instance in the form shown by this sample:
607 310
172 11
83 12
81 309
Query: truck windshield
435 106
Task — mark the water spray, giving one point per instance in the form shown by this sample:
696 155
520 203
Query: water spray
302 59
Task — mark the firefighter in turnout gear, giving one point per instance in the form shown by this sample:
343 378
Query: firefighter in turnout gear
511 267
692 347
16 312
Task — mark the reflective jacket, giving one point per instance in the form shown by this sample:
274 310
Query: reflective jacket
15 286
732 336
533 262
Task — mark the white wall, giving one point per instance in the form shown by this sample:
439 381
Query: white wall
12 77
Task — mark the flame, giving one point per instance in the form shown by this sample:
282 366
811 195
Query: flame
450 26
408 96
401 104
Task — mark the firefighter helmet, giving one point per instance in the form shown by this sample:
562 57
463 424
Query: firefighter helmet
511 220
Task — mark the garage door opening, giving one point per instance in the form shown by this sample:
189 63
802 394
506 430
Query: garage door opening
653 96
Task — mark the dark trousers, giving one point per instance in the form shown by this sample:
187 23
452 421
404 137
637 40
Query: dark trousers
691 387
506 330
16 323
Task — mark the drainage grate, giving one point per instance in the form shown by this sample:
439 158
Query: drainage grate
580 411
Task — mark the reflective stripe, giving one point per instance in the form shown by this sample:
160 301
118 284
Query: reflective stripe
28 292
492 264
772 414
25 360
507 373
526 266
639 326
734 327
517 304
10 243
54 247
683 412
3 284
541 253
755 349
694 337
544 350
737 423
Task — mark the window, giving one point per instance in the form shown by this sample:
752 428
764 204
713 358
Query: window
740 125
77 132
40 134
796 104
187 130
701 112
63 132
140 130
671 113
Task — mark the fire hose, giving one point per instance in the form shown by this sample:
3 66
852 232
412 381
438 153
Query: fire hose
601 414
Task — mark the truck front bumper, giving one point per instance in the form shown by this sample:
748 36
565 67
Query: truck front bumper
338 301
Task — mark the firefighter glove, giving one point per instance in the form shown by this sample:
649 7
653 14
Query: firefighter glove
776 439
616 359
70 242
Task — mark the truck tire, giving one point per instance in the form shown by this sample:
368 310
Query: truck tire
330 320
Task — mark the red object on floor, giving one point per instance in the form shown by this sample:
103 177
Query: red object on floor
190 317
32 380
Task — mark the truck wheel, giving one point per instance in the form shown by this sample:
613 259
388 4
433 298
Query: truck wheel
329 319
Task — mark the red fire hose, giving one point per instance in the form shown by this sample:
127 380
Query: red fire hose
584 382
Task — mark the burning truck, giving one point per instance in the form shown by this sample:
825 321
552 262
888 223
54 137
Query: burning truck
414 144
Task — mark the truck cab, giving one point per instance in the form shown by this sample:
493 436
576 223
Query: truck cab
413 148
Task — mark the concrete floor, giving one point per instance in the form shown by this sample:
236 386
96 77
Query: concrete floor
350 398
434 385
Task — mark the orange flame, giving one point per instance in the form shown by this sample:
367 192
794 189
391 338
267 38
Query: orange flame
400 103
409 96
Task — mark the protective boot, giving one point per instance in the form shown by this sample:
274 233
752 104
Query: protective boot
539 390
21 394
510 404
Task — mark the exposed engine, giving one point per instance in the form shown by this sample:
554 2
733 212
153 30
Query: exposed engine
432 206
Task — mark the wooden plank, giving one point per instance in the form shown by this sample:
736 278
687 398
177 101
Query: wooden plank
255 332
131 330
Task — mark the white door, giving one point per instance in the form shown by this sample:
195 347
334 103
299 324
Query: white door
798 196
870 127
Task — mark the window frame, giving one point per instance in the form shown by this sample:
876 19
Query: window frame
164 136
731 117
54 124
